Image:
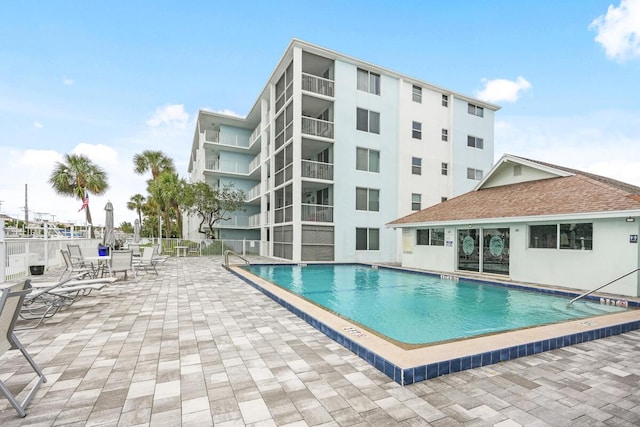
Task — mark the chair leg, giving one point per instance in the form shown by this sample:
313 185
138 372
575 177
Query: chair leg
21 407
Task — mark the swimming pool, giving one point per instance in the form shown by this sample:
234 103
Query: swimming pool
413 308
410 363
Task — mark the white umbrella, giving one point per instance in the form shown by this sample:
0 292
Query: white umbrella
109 234
136 231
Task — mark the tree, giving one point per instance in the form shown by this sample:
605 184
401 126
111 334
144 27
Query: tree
126 227
77 176
210 205
156 162
136 203
168 190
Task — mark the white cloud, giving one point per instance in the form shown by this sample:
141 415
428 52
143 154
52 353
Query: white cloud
619 30
37 125
169 115
503 90
68 82
605 143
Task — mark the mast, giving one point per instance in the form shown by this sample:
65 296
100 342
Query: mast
26 207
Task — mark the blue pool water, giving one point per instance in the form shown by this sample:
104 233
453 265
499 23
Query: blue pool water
418 308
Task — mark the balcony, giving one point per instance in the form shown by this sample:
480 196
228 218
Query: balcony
317 170
255 163
317 213
318 85
254 193
227 166
254 220
317 127
214 137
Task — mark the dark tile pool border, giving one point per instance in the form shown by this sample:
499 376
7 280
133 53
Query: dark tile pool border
415 374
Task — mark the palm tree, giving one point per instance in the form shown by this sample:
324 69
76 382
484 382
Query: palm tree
169 189
77 176
136 203
156 162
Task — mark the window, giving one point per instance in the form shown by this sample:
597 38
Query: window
475 110
445 100
576 236
368 121
445 135
416 202
417 94
543 236
368 81
416 130
445 169
443 199
367 239
367 160
367 199
416 165
475 174
474 141
430 237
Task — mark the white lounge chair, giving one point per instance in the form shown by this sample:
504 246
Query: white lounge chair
122 261
11 298
146 261
75 267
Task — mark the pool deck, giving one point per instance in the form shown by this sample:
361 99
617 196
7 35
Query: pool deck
196 345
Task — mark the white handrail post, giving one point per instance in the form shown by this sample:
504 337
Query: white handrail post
3 253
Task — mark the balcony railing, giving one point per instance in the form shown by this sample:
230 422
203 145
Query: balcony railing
255 134
317 127
254 220
235 221
317 213
317 85
254 192
317 170
227 166
255 162
214 137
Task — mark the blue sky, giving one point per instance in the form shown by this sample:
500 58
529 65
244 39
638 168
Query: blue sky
112 78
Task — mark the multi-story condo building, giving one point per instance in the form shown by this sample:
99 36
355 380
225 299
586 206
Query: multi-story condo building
335 148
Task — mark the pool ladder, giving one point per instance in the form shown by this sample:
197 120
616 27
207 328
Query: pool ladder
230 252
600 287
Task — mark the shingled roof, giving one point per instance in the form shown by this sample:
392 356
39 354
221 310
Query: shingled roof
578 193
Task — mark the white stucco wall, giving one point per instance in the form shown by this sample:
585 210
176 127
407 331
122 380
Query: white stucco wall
612 256
347 178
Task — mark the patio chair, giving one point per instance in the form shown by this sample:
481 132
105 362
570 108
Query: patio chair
47 298
146 261
135 249
195 248
122 261
77 267
11 298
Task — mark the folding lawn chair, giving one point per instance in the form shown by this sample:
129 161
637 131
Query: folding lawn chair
11 298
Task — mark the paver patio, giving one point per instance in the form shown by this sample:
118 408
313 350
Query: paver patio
197 346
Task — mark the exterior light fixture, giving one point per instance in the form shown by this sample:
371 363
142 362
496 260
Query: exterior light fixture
630 219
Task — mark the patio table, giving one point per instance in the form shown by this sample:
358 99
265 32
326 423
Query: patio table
183 249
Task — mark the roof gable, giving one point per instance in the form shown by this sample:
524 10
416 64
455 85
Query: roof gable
513 170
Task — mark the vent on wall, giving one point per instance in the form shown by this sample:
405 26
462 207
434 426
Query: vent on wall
517 170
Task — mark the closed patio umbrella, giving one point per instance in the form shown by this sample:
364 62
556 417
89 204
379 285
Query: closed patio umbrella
109 234
136 231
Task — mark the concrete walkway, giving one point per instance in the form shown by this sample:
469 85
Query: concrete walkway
197 346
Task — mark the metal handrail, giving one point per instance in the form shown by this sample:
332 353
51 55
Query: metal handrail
230 252
600 287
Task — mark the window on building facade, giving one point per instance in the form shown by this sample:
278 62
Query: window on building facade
445 169
475 110
445 135
430 237
475 174
367 239
474 141
368 81
543 236
416 130
576 236
443 199
417 94
367 199
445 100
367 160
416 165
367 121
416 202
